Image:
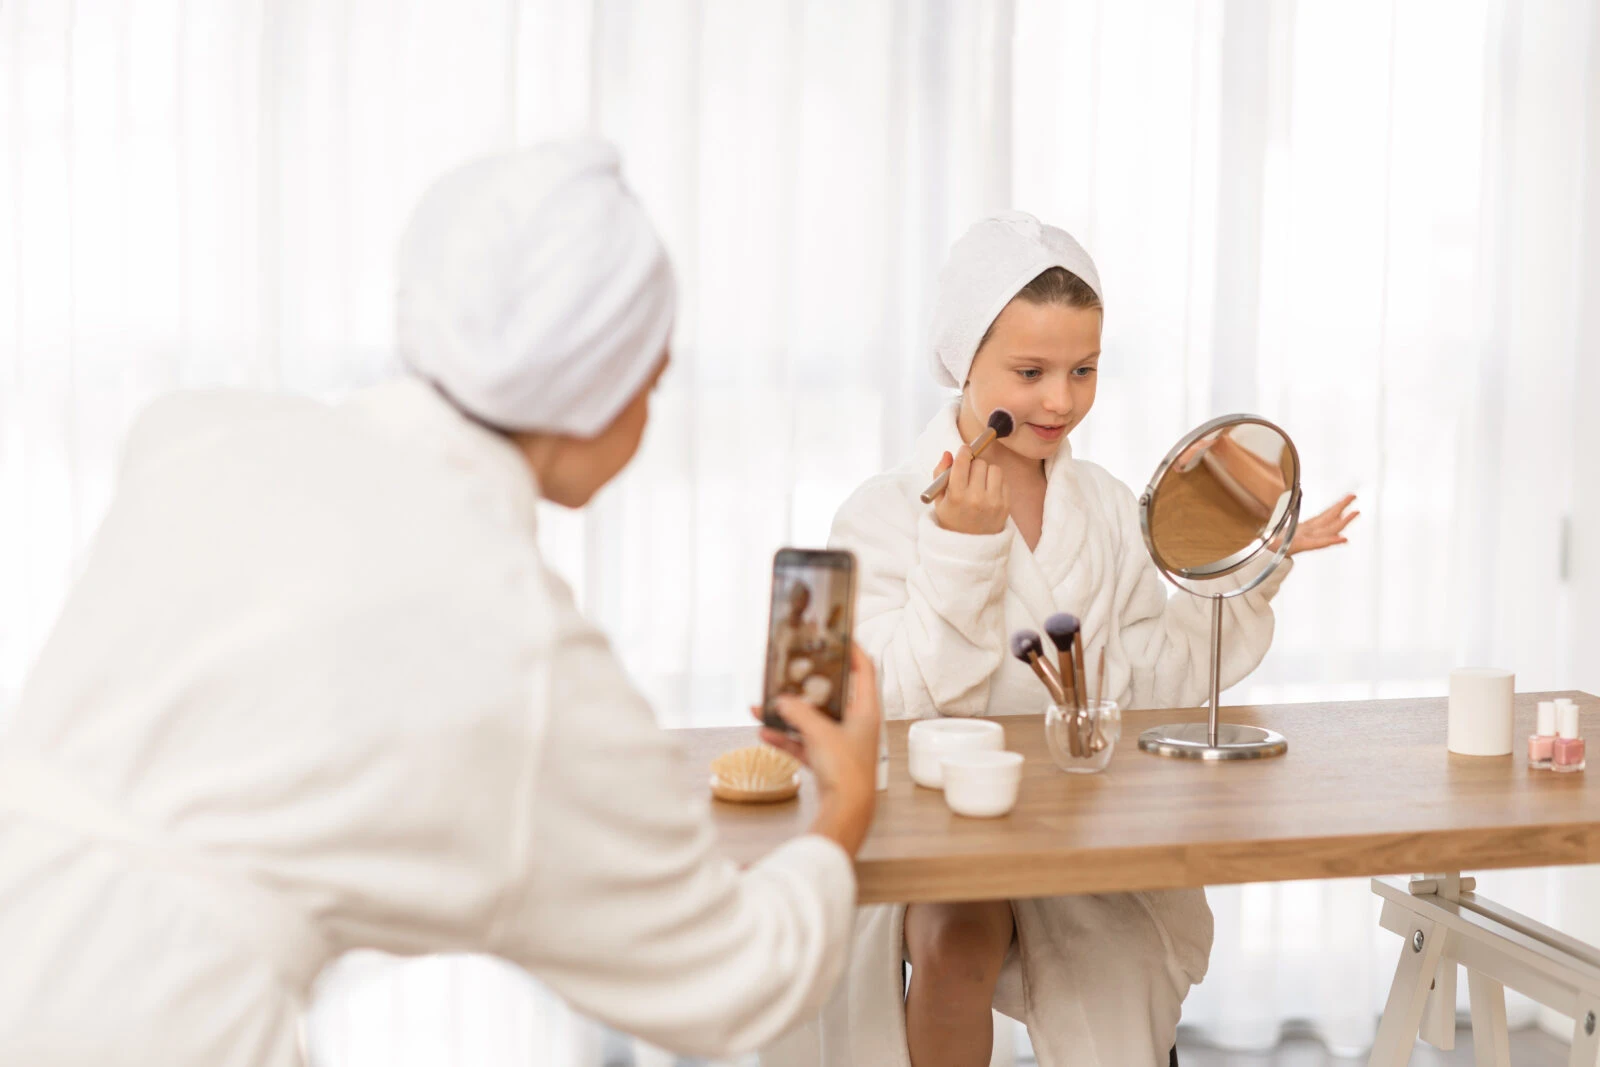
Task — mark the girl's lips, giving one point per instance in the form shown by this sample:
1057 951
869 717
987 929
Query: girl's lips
1049 433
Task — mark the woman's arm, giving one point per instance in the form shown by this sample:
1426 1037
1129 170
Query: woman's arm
624 906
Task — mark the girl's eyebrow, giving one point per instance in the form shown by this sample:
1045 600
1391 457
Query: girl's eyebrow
1029 357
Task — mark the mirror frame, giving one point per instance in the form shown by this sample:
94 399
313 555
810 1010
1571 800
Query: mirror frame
1280 526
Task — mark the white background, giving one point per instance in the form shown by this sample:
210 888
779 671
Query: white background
1375 222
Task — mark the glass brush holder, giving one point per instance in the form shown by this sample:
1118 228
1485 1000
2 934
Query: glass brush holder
1081 742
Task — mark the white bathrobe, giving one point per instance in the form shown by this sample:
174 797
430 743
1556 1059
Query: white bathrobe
314 691
1099 980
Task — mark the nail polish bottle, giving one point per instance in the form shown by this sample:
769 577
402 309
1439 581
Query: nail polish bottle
1567 754
1542 742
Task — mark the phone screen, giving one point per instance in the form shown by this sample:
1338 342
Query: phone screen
808 639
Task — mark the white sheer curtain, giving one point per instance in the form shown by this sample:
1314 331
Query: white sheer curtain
1363 219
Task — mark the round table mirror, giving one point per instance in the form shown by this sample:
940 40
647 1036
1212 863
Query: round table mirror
1218 517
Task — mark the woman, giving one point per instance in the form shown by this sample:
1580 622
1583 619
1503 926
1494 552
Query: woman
315 690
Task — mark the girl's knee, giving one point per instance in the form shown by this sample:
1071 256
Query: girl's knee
962 944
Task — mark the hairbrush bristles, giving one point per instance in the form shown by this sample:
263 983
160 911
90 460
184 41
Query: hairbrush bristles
1025 643
1001 422
1063 630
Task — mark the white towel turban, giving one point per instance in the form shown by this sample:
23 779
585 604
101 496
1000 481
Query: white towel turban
533 289
988 266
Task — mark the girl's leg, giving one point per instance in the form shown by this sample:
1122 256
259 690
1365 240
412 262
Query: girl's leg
956 953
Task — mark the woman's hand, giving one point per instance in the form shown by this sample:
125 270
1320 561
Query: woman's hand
975 499
1325 529
843 756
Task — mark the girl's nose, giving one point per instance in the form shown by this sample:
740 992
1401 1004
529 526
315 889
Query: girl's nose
1058 401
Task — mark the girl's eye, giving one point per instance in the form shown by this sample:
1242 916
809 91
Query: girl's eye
1083 372
1030 374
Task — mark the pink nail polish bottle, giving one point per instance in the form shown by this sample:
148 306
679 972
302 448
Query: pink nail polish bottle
1542 742
1567 754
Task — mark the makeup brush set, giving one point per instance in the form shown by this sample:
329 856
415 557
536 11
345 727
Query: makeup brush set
1084 723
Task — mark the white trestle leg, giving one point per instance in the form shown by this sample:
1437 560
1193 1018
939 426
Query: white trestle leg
1443 925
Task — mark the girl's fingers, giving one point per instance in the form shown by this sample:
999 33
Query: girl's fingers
1339 508
961 470
995 484
944 464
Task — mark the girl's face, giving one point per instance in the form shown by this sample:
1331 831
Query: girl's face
1039 363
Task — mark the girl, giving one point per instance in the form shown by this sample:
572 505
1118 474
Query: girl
1023 532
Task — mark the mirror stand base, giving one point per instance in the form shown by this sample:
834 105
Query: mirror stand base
1191 740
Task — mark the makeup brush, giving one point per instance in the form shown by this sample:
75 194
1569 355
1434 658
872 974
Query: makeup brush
1000 425
1097 742
1067 635
1082 680
1100 683
1062 629
1063 632
1026 646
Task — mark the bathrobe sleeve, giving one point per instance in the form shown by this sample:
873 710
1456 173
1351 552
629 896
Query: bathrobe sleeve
1164 633
930 603
625 907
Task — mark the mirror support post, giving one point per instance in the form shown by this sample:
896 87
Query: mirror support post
1216 669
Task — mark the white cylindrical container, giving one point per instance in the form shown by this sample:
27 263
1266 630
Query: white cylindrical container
1480 711
928 740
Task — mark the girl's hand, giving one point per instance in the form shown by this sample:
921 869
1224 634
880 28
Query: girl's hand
1325 529
975 499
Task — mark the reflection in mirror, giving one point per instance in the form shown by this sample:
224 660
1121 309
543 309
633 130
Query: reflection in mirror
1221 496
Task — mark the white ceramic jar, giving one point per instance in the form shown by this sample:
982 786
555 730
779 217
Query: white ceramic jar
981 785
929 740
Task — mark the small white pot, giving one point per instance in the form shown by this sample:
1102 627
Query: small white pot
929 740
982 785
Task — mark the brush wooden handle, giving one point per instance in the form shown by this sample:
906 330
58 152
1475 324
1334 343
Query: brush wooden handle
1081 684
978 444
1042 669
1069 700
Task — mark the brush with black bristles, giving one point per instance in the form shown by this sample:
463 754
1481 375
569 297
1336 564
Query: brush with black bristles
1029 648
1000 425
1064 632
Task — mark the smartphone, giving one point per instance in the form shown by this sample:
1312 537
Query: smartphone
809 630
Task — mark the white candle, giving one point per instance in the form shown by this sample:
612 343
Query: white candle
1480 711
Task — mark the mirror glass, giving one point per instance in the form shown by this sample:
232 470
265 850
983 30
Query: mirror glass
1220 497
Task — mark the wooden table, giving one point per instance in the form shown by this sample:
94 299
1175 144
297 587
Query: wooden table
1366 788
